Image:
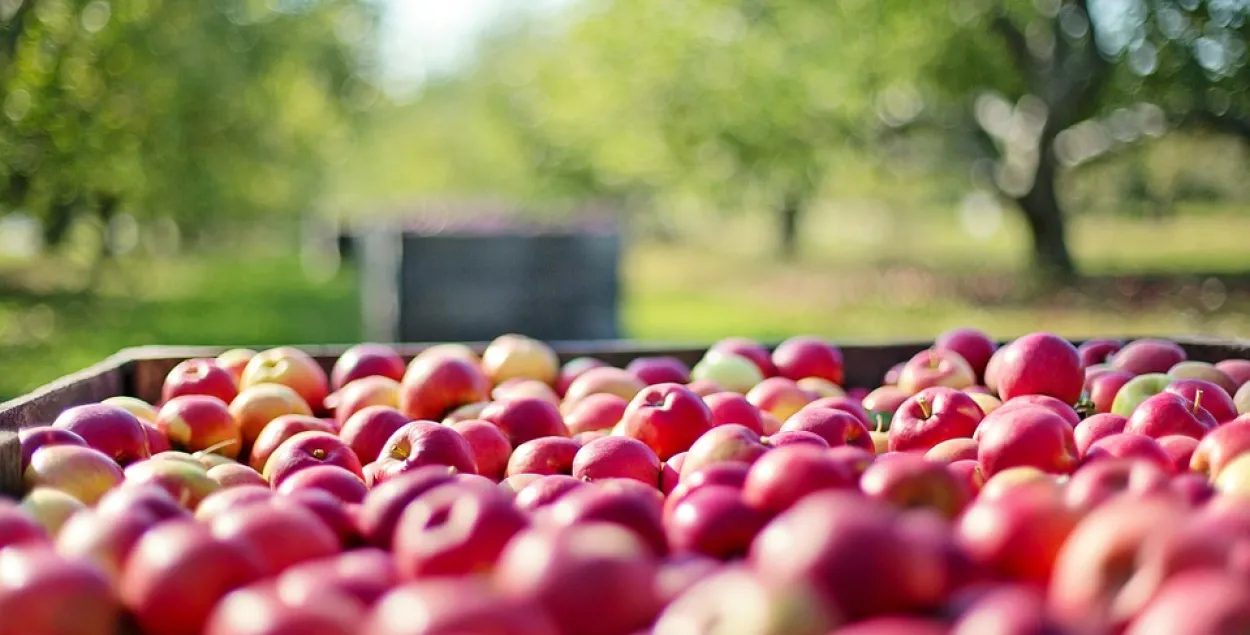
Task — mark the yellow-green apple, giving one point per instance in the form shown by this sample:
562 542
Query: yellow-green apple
466 412
1026 436
1206 395
636 508
1098 351
1091 429
456 605
911 481
835 426
666 417
545 490
525 418
437 386
491 449
1128 445
969 472
729 371
728 443
1039 364
31 439
1237 370
366 360
731 407
714 521
595 412
732 597
50 508
1019 534
617 457
750 349
1148 356
278 431
200 422
235 475
187 482
987 403
1180 450
368 430
1205 371
307 449
779 397
573 369
446 349
516 387
820 387
1168 413
662 369
428 545
1097 483
1104 388
604 379
82 472
509 356
1137 390
135 406
973 345
885 399
544 455
951 450
289 367
199 377
43 592
805 356
1242 399
109 429
255 407
931 416
362 393
234 361
103 540
1199 602
781 477
935 367
421 443
1234 478
1221 446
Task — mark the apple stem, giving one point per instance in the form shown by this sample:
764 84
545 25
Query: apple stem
1197 400
924 407
216 446
933 362
880 421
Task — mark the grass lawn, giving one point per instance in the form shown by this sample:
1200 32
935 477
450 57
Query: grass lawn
848 285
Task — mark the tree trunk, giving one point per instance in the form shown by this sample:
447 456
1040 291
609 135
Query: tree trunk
788 215
1052 262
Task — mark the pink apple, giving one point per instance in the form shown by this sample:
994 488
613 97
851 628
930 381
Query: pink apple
617 457
368 430
783 476
1168 413
84 473
453 530
1097 351
421 443
366 360
42 592
935 367
836 427
290 367
37 437
109 429
714 521
1040 364
525 418
663 369
490 447
281 535
804 356
199 377
545 455
200 423
1104 388
731 407
749 349
1127 445
435 387
1237 370
384 503
779 396
1099 426
1029 436
971 344
1148 356
308 449
932 416
666 417
374 390
344 485
1207 396
276 433
573 369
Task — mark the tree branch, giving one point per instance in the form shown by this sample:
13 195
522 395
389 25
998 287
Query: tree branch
1017 44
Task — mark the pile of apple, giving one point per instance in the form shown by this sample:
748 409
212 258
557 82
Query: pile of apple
1028 489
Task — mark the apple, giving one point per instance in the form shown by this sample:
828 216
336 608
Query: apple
730 442
750 349
714 521
732 599
545 490
307 449
1039 364
453 530
455 606
234 361
1206 395
276 433
969 473
339 482
135 406
617 457
1024 476
568 572
435 387
705 387
516 388
639 510
666 417
1099 426
511 485
1180 450
266 609
779 397
885 399
795 437
85 473
972 345
365 575
1006 609
104 540
931 416
1234 477
731 407
782 476
1168 413
109 429
1044 401
1137 390
235 474
987 403
256 406
837 427
50 508
491 449
226 500
1221 446
663 369
199 377
599 411
1148 356
1104 388
281 535
573 369
1019 534
820 387
846 404
421 443
1204 371
1094 484
1200 602
1098 351
289 367
19 528
604 379
726 371
951 450
446 349
42 592
1242 399
1026 436
366 360
187 481
512 355
805 356
32 439
375 390
891 376
147 500
854 459
199 422
368 430
1237 370
544 456
525 418
386 501
935 367
1128 445
909 480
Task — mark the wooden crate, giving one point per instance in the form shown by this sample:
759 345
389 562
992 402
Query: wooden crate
139 372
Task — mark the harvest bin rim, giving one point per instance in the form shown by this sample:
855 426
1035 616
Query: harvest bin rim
139 371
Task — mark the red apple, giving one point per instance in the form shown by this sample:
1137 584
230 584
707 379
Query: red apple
84 473
188 482
255 407
18 528
446 349
1219 447
935 367
733 597
1017 535
666 417
200 422
307 449
510 356
157 442
1207 396
515 388
783 476
290 367
794 437
1093 485
1044 401
604 379
42 592
367 431
617 457
971 344
434 388
421 443
1128 445
1040 364
705 387
363 393
146 500
37 437
545 455
453 530
1180 450
909 481
663 369
1006 609
1099 426
235 474
638 510
456 606
104 540
837 427
364 574
366 360
846 404
491 449
234 361
386 501
951 450
573 369
714 521
344 485
281 535
731 407
525 419
109 429
545 490
265 609
276 433
199 377
600 411
227 500
885 399
1027 436
932 416
968 472
1168 413
1201 602
1237 370
750 349
727 443
779 396
1104 388
1097 351
1148 356
50 508
805 356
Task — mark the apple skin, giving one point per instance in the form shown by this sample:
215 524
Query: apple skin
783 476
511 355
1234 477
600 411
885 399
1180 450
565 571
109 429
333 479
43 592
141 409
1104 388
491 449
1168 413
421 443
452 530
750 349
367 431
1017 535
32 439
1242 399
199 422
1099 426
971 344
932 416
1213 399
366 360
83 472
1148 356
1201 602
573 369
911 481
454 606
282 535
278 431
364 574
514 388
178 571
543 456
1137 390
1044 401
666 417
1128 445
255 407
50 508
104 540
727 443
446 349
1206 372
733 595
226 500
968 472
935 367
1007 609
951 450
384 503
1040 364
525 419
714 521
731 407
794 437
1098 351
1237 370
617 457
306 449
234 361
779 397
1221 446
725 372
846 404
374 390
199 377
289 367
663 369
18 528
805 356
837 427
187 482
1028 436
265 609
639 512
435 387
545 490
1095 484
147 500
